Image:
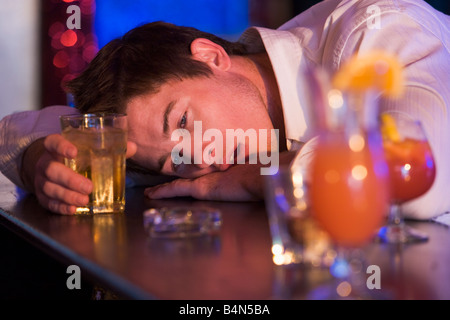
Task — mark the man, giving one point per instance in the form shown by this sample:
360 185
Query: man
166 78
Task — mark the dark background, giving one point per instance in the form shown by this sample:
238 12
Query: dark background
265 13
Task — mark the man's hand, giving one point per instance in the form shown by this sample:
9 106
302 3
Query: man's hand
242 182
238 183
57 187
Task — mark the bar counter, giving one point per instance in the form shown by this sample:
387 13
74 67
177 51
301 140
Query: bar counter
115 251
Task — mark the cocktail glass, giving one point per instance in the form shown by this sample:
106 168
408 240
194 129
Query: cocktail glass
412 171
349 193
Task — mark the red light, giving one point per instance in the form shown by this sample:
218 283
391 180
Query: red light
69 38
61 59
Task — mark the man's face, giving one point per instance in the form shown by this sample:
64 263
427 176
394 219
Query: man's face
220 102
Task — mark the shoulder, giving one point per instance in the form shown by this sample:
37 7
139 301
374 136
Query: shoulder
404 28
342 27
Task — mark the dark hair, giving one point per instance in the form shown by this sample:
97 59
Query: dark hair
140 62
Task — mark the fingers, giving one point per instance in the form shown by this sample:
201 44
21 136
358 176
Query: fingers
55 205
57 145
49 168
176 188
60 182
59 174
58 188
60 200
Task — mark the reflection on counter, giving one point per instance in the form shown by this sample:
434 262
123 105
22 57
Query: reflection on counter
110 238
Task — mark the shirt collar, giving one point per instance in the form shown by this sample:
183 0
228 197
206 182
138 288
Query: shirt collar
289 65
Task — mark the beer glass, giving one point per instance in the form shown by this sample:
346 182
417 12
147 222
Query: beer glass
101 141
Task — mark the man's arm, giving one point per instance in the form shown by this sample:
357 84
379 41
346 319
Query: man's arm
19 130
34 163
241 182
29 160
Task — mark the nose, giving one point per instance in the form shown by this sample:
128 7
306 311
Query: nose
205 159
209 160
198 159
202 159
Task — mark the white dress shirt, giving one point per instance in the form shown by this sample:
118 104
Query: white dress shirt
326 34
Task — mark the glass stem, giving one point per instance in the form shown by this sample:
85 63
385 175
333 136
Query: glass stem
395 216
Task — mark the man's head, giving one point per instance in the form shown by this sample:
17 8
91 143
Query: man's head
140 62
168 78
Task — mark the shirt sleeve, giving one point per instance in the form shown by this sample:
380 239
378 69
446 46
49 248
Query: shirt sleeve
19 130
425 57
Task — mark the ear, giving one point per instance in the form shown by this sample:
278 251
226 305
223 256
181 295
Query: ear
211 53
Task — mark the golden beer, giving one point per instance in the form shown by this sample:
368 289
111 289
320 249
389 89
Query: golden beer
100 158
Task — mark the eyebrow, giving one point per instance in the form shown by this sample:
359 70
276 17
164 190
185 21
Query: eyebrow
166 117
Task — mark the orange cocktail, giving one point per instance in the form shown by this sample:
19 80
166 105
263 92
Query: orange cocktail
411 168
349 194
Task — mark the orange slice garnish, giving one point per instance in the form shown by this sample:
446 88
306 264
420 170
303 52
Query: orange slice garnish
375 70
389 129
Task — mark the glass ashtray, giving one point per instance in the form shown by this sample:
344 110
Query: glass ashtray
181 222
